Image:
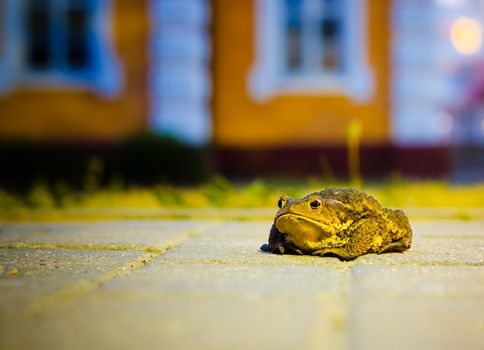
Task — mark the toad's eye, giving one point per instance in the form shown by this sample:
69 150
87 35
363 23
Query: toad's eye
315 204
279 203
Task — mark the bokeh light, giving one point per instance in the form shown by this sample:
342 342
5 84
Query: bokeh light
466 35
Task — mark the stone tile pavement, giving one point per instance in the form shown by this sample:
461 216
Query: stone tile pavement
184 284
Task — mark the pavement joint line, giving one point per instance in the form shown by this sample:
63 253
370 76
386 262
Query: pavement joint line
64 246
338 319
343 264
83 286
193 233
238 262
419 264
86 285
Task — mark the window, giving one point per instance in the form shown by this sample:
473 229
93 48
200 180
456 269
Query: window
57 35
58 42
313 36
311 46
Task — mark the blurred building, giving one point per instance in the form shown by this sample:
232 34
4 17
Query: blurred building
272 84
73 69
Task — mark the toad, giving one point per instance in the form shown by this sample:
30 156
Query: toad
344 223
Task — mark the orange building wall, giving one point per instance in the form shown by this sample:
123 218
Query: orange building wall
287 120
62 114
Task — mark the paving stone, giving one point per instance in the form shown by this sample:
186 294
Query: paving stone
412 307
449 228
148 234
417 323
242 280
231 306
27 274
431 280
216 290
124 321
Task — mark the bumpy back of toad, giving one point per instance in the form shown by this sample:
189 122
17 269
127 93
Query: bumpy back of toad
360 203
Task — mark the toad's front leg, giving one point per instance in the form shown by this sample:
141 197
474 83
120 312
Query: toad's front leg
279 244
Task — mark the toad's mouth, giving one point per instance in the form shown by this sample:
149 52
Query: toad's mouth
297 217
302 228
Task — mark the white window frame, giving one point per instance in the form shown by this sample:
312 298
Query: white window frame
268 77
105 78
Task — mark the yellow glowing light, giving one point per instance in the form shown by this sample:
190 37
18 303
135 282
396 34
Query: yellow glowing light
466 35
